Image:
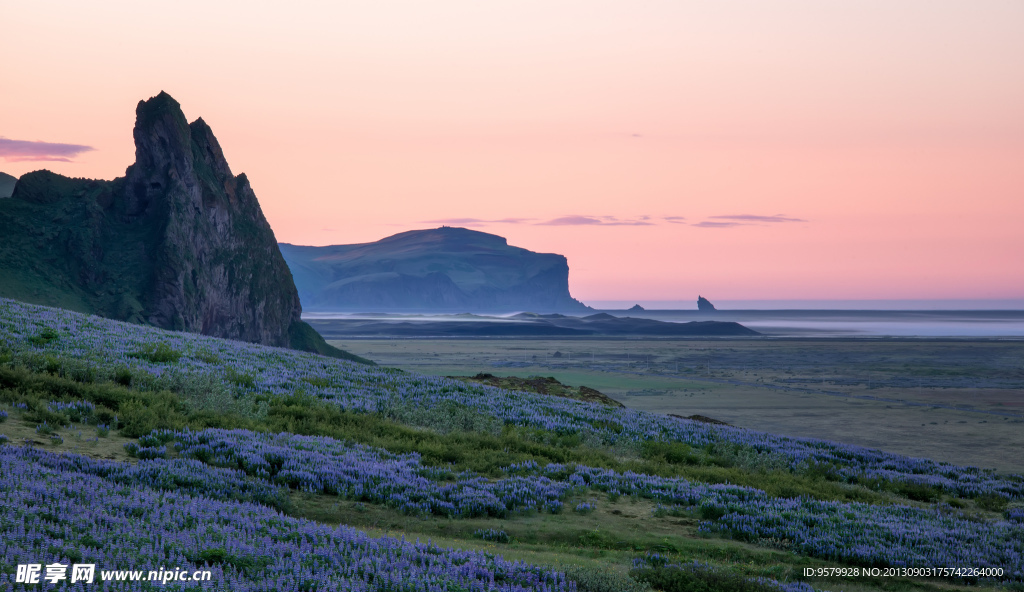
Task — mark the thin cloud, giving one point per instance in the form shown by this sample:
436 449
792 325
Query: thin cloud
675 219
478 221
595 221
24 150
455 221
707 224
562 221
572 221
744 220
754 218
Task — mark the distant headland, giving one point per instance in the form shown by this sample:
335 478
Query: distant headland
443 269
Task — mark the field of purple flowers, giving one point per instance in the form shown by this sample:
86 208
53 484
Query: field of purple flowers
53 512
217 502
107 346
853 533
362 473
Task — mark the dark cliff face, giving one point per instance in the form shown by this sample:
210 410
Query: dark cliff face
179 242
219 271
442 269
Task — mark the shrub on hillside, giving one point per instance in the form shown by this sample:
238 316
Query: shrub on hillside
592 579
159 353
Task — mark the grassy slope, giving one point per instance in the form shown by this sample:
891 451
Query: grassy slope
604 541
749 384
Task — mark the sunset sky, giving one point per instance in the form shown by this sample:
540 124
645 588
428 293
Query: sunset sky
738 150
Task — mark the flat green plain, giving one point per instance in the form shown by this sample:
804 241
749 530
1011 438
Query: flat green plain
958 401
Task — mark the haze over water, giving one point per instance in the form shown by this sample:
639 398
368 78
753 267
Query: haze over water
793 318
853 318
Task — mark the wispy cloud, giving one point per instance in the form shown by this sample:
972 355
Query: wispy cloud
561 221
479 221
733 220
572 221
596 221
455 221
707 224
723 221
753 218
22 150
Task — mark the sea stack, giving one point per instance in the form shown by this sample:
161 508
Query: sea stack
704 305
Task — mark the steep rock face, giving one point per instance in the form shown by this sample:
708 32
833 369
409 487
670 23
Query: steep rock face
442 269
179 242
220 271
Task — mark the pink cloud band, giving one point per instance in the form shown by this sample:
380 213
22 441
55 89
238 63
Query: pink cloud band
23 150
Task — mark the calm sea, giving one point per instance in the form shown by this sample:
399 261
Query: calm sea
865 318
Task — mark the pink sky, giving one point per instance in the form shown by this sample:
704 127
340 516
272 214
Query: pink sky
855 149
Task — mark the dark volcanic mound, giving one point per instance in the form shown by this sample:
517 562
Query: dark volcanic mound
542 385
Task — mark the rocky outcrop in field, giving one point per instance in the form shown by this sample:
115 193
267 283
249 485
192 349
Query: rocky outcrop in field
179 242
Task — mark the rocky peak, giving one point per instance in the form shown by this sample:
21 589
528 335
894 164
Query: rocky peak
208 149
163 152
221 272
180 242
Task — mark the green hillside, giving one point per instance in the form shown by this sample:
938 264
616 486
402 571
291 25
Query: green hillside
61 248
269 465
